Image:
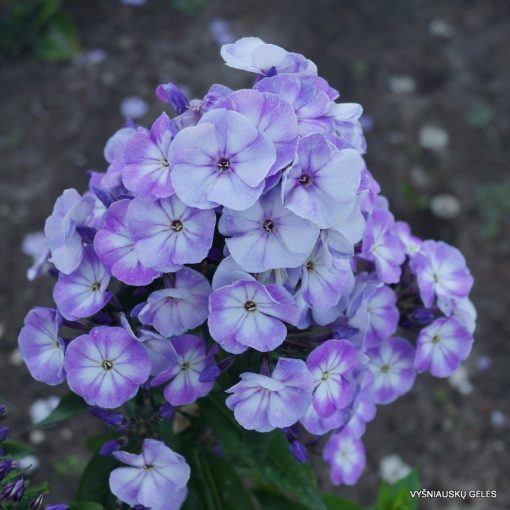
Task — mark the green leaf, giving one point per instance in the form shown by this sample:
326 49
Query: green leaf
60 40
397 496
335 503
30 494
269 501
265 457
94 481
71 405
18 448
216 484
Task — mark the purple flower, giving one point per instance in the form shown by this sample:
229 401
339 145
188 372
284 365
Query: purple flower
106 366
65 243
115 248
263 403
331 365
36 246
412 244
221 161
318 426
324 279
322 183
254 55
364 410
442 347
441 271
346 456
267 236
183 372
83 292
113 153
172 94
248 314
41 347
273 117
156 478
381 245
391 364
146 170
174 310
168 233
383 315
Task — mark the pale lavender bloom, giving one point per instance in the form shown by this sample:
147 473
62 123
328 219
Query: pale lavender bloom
442 347
364 410
369 190
273 117
341 237
412 244
133 107
174 310
248 314
229 272
223 160
113 153
324 279
83 292
106 366
391 364
345 455
462 309
115 248
311 98
36 246
168 233
441 271
221 31
182 373
381 245
347 125
267 236
156 478
65 243
383 315
322 183
332 365
318 426
146 170
41 347
254 55
263 403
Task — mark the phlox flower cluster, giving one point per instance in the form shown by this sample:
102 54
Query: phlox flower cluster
244 222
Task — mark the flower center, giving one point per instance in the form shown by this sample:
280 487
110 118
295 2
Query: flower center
107 364
223 164
176 225
435 339
310 265
250 306
95 286
148 466
185 366
305 180
435 278
326 375
164 162
268 225
385 369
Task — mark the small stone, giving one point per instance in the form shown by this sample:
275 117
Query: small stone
15 358
392 468
441 28
433 138
460 381
402 84
37 437
134 107
445 206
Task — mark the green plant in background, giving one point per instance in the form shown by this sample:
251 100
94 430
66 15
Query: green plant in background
37 25
492 204
189 6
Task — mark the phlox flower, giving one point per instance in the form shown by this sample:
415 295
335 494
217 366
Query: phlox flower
182 373
263 403
146 170
83 292
115 247
345 455
412 244
106 366
249 314
267 235
41 347
36 246
254 55
113 154
391 365
168 233
156 478
322 183
442 347
71 210
223 160
441 271
319 426
182 306
383 315
332 365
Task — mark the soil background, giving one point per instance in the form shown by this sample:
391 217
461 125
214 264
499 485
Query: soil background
412 64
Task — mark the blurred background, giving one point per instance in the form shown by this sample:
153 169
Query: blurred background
434 80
